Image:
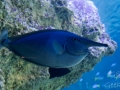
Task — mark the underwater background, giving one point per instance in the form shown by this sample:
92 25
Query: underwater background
106 74
100 22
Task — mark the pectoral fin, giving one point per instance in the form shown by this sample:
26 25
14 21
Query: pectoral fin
57 48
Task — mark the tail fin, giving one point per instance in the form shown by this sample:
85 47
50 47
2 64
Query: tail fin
3 36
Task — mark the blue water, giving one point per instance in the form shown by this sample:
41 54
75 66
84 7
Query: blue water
109 11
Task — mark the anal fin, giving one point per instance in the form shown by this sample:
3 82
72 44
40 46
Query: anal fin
58 72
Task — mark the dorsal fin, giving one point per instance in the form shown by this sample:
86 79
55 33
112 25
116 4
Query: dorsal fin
32 33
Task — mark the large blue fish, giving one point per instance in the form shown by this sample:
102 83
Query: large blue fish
52 48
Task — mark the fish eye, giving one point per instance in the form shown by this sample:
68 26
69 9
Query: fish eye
74 39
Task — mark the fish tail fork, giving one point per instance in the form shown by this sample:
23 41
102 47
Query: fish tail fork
3 37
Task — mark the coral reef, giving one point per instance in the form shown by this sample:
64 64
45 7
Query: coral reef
2 80
23 16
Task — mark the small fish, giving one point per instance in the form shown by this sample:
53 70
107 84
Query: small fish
112 75
99 78
114 64
96 86
109 73
117 76
81 80
87 85
97 73
51 47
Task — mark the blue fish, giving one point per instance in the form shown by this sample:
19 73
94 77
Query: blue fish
52 48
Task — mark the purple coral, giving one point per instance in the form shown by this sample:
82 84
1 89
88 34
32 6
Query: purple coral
85 13
84 6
